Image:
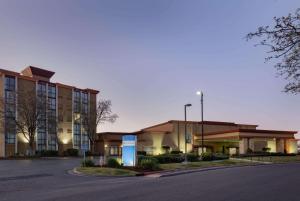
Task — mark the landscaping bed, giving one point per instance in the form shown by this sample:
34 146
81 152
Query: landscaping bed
106 171
274 159
203 164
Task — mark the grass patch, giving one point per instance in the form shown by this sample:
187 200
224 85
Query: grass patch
202 164
103 171
275 159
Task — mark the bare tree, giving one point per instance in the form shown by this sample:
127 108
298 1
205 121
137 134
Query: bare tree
102 114
283 39
29 109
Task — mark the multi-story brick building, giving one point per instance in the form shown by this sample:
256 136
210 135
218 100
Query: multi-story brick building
66 104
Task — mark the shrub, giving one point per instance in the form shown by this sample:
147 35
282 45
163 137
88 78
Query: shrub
87 163
88 153
47 153
266 154
176 152
207 156
266 149
220 156
169 158
149 164
192 157
249 151
113 163
71 152
143 153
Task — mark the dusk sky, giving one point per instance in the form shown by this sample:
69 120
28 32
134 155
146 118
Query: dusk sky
150 57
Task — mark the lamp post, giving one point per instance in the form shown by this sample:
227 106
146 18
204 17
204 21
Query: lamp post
185 133
200 93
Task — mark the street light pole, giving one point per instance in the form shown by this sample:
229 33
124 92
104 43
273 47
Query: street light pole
185 131
202 126
200 93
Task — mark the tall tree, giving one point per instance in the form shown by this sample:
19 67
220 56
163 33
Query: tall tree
283 40
30 109
102 114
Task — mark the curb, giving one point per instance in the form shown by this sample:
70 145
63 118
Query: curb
180 172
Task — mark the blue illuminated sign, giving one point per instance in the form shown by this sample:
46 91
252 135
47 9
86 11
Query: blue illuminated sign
129 150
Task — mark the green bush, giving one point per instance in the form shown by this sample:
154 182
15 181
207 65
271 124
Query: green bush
149 164
87 163
113 163
220 156
47 153
71 152
192 157
207 156
143 153
176 152
249 151
266 149
169 158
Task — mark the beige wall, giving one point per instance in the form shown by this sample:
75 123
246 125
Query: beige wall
291 146
65 126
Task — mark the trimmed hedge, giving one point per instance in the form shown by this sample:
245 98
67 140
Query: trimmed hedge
176 152
192 157
265 154
213 156
149 164
113 163
141 153
48 153
169 158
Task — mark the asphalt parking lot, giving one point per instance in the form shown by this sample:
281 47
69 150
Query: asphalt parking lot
33 180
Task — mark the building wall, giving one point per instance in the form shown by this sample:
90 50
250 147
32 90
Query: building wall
61 137
291 146
153 142
64 118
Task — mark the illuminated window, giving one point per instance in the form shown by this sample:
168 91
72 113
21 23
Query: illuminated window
115 151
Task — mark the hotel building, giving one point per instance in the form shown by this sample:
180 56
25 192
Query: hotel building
64 104
222 137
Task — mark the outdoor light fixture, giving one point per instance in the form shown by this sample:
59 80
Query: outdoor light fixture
200 93
185 106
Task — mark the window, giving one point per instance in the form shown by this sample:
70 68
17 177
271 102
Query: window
52 142
10 97
85 139
41 89
84 97
10 110
10 83
10 138
51 91
84 109
115 151
41 140
52 104
77 133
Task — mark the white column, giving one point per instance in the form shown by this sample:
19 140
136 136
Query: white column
243 146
